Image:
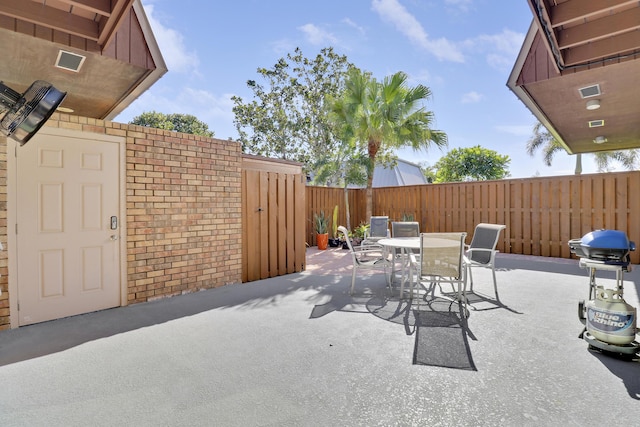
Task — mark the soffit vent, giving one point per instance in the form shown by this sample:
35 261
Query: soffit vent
596 123
69 61
589 91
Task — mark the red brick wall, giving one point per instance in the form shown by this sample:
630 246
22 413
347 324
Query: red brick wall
183 201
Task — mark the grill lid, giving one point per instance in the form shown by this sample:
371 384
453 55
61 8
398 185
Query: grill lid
607 239
610 246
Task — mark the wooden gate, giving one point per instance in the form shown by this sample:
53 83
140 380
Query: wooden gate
273 218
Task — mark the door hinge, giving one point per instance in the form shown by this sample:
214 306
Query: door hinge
16 228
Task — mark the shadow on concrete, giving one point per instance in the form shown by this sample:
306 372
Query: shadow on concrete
40 339
628 371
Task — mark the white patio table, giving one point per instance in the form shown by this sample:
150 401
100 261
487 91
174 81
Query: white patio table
408 245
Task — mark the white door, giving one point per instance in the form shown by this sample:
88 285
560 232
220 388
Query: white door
68 254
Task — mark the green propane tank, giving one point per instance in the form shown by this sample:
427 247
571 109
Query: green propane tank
610 318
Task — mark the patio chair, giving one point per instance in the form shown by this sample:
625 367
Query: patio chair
363 262
441 260
405 229
481 252
402 229
378 229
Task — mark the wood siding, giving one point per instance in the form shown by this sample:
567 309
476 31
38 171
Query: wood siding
538 65
128 45
541 214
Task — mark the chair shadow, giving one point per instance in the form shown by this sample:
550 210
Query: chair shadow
442 334
481 302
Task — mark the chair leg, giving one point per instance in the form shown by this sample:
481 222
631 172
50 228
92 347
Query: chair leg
353 281
393 266
387 277
465 301
469 268
495 283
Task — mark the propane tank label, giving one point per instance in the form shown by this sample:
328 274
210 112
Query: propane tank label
611 322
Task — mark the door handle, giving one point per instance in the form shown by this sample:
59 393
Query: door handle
114 237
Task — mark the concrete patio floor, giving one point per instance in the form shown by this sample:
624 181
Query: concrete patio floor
298 350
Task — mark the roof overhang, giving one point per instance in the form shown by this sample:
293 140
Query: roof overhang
101 52
572 45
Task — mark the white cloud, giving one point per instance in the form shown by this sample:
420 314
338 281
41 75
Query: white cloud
392 11
283 46
206 104
471 97
352 24
423 76
500 49
317 36
461 5
172 46
517 130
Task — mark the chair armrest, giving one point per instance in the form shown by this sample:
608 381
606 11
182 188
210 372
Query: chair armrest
368 251
368 247
469 255
480 250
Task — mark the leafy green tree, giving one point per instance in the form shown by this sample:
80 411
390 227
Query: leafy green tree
348 165
287 118
383 116
471 164
543 139
185 123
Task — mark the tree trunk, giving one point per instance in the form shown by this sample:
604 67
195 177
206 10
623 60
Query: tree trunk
372 147
346 207
369 197
578 164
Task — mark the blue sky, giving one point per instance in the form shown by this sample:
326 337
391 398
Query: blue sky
463 50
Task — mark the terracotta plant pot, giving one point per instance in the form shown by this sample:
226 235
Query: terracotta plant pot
322 240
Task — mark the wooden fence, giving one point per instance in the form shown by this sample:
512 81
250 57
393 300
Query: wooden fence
541 214
273 218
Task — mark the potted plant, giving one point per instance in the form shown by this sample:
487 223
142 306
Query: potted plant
322 226
334 241
407 217
359 233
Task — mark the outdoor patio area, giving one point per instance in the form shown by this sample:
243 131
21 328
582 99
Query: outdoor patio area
298 350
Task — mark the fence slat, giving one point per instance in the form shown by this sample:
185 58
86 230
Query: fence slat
541 214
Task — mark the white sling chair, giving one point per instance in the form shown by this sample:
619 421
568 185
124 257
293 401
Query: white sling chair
441 260
360 262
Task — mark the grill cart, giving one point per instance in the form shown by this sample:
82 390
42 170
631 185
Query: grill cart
610 323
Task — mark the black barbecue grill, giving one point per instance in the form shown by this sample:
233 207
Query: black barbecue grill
610 246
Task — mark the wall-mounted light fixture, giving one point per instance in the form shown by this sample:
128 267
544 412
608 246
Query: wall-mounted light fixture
600 140
593 104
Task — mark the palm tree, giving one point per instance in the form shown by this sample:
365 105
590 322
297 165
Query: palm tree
550 146
541 138
628 159
383 116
